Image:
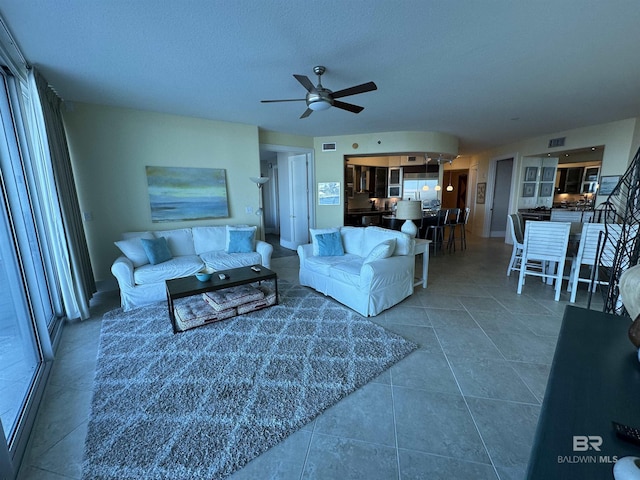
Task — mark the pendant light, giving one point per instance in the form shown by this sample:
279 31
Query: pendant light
425 187
438 187
450 187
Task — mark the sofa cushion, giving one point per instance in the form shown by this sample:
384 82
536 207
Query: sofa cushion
324 265
207 239
221 260
318 231
375 235
129 235
330 244
382 250
348 272
241 240
177 267
180 241
352 239
157 250
132 249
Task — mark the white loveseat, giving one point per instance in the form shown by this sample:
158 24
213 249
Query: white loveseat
191 249
375 272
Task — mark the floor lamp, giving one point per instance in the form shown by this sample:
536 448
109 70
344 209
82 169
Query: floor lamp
409 210
260 181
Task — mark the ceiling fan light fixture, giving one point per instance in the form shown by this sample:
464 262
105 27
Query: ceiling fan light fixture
319 105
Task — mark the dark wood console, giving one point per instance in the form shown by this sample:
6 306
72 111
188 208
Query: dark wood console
594 379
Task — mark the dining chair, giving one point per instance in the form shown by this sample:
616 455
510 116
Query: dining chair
544 252
587 216
560 215
614 234
605 213
591 240
517 237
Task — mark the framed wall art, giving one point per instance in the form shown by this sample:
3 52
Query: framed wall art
481 192
607 184
328 193
529 189
530 174
548 174
546 189
179 194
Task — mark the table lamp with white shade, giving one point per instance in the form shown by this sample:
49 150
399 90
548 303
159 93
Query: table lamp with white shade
409 210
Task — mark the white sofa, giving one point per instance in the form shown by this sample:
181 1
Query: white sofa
192 249
361 279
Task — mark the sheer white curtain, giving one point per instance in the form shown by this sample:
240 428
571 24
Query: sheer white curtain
59 200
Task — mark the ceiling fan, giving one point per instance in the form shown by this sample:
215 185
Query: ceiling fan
320 98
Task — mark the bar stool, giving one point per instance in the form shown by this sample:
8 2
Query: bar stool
452 221
462 223
435 229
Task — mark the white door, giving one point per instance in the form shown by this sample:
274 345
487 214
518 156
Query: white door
500 205
293 175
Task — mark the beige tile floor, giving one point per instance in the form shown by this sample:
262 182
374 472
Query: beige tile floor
465 405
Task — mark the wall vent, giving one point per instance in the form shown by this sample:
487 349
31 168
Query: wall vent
329 147
411 159
557 142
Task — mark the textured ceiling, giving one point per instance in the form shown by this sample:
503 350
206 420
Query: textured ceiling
490 72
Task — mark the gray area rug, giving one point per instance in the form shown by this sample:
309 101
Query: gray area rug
203 403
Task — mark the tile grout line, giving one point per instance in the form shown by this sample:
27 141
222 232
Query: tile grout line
464 398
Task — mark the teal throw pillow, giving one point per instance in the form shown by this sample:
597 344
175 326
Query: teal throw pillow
240 241
156 249
330 244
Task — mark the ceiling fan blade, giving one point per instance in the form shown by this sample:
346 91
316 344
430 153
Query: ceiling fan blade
306 113
348 106
288 100
306 83
365 87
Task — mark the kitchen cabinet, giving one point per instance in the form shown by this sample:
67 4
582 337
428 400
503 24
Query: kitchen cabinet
380 182
590 179
570 180
394 187
349 178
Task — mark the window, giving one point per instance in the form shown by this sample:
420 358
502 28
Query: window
26 314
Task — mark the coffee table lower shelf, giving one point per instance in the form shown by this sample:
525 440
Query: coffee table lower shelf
189 308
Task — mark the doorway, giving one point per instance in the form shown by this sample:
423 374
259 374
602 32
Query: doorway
500 201
289 208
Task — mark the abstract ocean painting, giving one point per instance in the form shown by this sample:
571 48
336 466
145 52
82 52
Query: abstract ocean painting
329 193
181 194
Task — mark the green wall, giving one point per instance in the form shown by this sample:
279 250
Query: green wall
620 139
330 165
110 148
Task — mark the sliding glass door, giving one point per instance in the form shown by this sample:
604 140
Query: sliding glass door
20 356
27 319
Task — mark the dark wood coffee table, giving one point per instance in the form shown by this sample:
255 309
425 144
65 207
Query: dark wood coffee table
190 286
